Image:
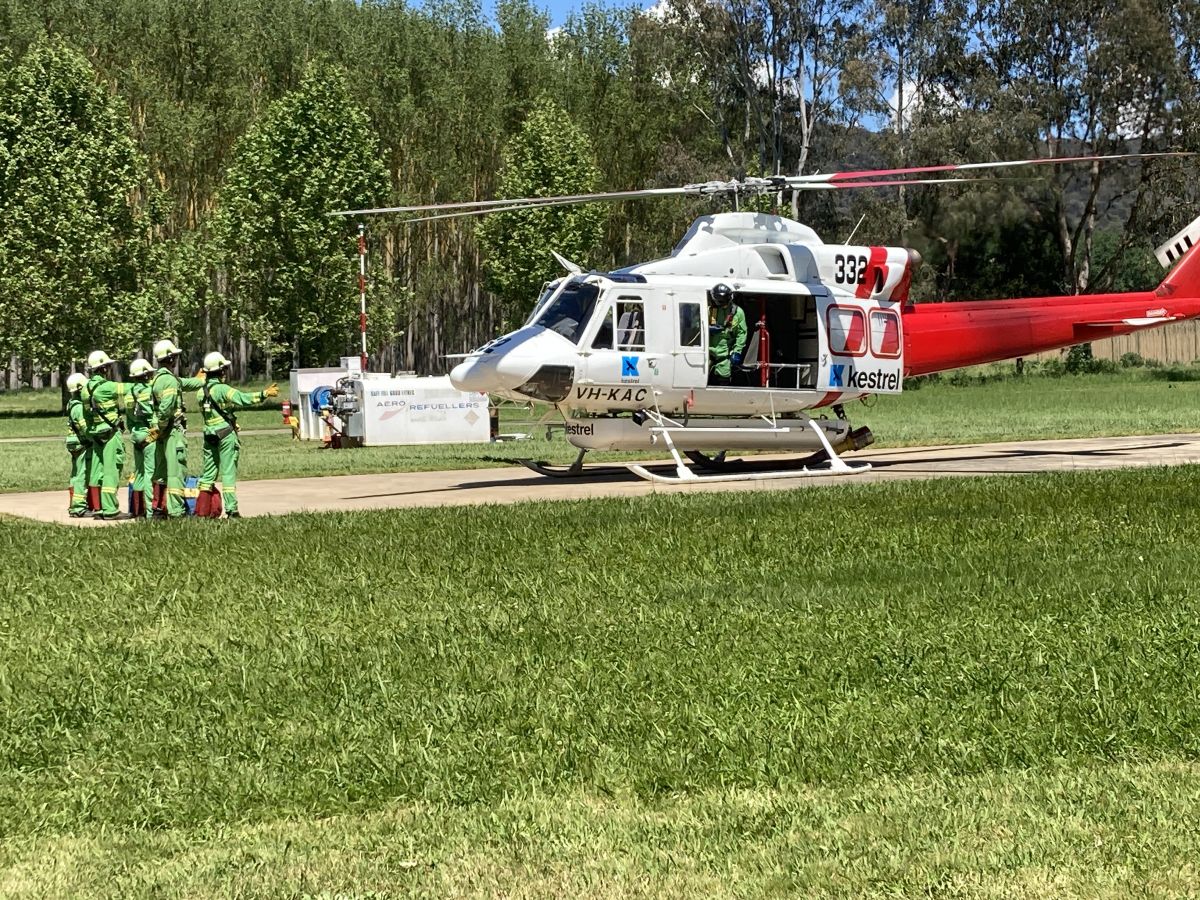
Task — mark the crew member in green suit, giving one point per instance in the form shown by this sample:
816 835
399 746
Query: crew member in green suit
79 445
218 403
103 401
726 335
170 447
143 434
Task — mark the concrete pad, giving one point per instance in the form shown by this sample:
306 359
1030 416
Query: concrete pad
517 484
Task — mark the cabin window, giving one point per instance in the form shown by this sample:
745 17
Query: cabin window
631 327
847 328
885 333
689 325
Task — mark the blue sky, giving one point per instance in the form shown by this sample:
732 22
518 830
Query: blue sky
559 9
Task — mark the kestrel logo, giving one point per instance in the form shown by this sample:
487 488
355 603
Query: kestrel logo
629 367
839 377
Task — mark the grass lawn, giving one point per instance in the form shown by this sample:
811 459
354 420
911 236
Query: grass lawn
979 688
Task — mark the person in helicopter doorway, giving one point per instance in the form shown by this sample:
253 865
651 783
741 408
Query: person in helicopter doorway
726 335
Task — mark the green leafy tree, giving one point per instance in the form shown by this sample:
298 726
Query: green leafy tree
291 266
72 239
550 156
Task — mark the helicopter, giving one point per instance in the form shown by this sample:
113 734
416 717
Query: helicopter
624 355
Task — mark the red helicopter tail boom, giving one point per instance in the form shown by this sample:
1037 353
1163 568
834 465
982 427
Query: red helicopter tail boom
941 336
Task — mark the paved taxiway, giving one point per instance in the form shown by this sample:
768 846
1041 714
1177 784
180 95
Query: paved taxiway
516 484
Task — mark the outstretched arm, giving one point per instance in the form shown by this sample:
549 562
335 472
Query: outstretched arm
241 399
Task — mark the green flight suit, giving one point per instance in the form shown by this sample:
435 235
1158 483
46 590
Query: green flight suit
141 420
170 451
221 445
728 338
103 401
80 448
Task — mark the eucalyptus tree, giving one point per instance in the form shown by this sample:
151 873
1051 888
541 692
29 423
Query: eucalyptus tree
778 73
1081 76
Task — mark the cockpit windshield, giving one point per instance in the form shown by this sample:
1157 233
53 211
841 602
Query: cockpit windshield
571 310
548 290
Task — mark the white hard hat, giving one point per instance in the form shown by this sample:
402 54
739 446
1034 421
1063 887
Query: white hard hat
214 362
140 367
98 359
165 348
75 381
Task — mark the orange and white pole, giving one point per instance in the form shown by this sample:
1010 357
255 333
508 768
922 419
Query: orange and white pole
362 290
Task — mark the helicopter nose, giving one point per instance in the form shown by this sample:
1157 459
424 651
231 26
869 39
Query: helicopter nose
472 375
517 363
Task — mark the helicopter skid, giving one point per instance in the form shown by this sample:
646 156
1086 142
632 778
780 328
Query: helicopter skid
684 475
710 434
832 465
571 471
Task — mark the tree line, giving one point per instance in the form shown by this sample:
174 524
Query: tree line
168 168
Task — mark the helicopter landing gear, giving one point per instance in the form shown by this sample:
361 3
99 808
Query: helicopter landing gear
827 458
721 465
574 470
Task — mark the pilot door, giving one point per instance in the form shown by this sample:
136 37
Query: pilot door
861 346
620 351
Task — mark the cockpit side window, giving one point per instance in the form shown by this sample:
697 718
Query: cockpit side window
570 311
604 334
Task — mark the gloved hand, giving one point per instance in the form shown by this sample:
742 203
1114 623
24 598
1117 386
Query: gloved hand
202 375
151 435
272 390
736 359
714 329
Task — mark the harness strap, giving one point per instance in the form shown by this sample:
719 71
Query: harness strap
75 427
97 411
212 404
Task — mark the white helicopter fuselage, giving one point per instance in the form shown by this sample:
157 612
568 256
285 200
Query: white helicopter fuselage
823 327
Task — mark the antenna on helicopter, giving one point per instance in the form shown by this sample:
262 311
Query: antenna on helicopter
854 230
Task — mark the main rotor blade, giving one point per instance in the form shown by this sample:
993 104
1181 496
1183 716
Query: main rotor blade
746 187
489 204
503 206
839 177
519 205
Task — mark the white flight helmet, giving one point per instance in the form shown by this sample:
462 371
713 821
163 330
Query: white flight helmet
76 381
140 367
215 362
164 349
98 359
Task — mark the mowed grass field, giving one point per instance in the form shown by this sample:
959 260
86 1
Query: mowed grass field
968 410
983 688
